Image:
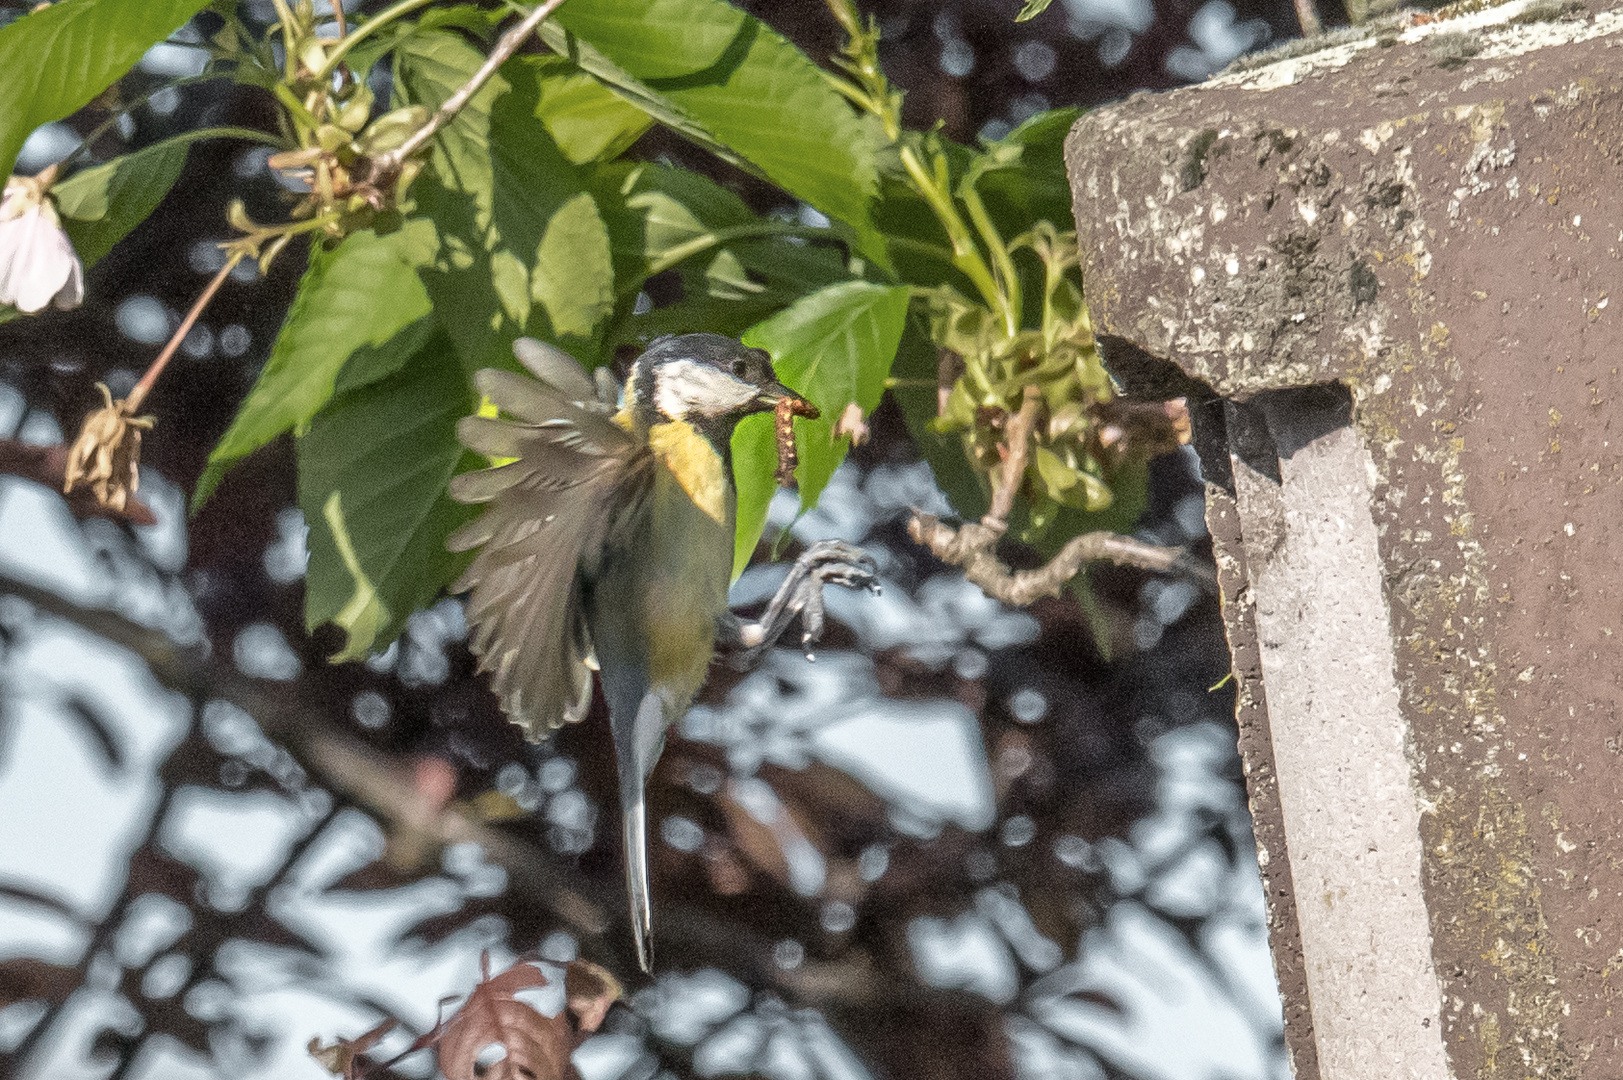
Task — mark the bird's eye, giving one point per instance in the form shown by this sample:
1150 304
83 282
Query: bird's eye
739 367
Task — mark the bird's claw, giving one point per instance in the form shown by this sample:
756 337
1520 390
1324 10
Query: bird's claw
827 562
840 563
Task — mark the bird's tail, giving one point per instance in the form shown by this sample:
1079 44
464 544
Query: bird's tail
636 750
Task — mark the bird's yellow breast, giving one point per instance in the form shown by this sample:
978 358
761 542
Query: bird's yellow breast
695 464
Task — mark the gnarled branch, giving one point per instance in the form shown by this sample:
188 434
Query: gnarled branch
972 545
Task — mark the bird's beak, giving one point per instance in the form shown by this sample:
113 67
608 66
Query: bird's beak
774 392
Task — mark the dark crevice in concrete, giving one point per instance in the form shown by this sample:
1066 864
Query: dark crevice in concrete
1299 415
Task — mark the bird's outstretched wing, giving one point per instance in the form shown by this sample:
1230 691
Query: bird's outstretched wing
577 480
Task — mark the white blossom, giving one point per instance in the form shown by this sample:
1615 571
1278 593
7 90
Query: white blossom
38 265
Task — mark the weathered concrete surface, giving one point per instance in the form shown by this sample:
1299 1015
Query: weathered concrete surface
1425 226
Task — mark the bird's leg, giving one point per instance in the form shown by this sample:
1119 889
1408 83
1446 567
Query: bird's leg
825 562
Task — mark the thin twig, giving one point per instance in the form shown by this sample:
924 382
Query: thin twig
1307 13
505 48
1016 455
144 387
949 366
344 765
971 546
374 783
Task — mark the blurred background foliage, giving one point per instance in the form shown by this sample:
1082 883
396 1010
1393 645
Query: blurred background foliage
968 841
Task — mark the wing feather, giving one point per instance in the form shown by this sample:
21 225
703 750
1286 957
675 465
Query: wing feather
548 516
552 365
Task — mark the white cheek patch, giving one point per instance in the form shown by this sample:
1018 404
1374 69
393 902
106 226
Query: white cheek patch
686 388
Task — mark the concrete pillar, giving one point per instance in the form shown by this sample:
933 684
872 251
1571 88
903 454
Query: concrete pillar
1382 270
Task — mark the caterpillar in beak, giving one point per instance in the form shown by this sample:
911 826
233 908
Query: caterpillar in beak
783 416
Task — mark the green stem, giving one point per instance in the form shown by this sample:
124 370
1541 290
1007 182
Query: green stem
363 31
284 18
1053 274
105 126
304 124
700 244
249 134
314 224
1009 290
921 247
965 256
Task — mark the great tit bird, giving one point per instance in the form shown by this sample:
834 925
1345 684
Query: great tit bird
607 545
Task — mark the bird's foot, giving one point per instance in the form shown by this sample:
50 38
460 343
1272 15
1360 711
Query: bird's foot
827 562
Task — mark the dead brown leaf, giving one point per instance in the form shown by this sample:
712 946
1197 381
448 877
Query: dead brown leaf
340 1058
537 1047
590 990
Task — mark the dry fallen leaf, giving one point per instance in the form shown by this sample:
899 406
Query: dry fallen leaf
340 1058
589 990
537 1047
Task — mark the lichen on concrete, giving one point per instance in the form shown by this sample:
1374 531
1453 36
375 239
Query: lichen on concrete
1430 215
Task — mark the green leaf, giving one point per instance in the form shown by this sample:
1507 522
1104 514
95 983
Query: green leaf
1025 180
574 269
498 181
101 205
587 120
363 614
1032 9
56 60
725 79
655 211
1058 524
363 292
370 50
834 347
428 70
383 455
374 363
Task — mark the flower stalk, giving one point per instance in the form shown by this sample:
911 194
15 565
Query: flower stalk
139 394
106 456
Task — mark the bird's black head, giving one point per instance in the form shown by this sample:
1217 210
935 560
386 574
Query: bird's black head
706 380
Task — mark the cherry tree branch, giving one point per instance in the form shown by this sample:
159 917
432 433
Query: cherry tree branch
973 545
504 49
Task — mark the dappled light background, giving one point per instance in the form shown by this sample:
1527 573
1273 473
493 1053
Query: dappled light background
965 841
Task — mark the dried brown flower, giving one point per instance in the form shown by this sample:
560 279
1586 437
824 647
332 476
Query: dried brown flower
48 465
107 454
851 423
